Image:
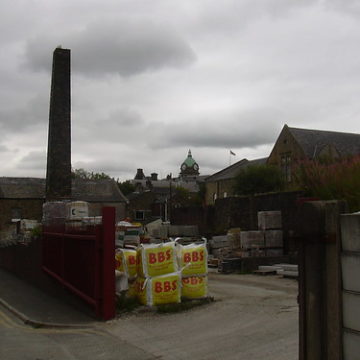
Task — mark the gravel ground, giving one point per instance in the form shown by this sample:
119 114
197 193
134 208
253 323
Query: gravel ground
254 317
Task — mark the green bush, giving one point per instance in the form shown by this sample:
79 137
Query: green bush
336 181
257 179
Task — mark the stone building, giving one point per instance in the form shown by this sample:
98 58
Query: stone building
23 198
189 169
151 199
221 184
294 145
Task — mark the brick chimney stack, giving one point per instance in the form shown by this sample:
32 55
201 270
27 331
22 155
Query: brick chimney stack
139 174
58 174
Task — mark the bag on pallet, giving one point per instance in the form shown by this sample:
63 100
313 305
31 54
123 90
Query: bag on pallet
125 261
158 290
156 259
194 287
193 259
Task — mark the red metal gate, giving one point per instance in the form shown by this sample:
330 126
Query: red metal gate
83 261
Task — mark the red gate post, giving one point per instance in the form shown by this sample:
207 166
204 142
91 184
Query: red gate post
108 263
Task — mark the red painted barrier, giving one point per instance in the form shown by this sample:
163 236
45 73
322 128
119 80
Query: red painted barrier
83 261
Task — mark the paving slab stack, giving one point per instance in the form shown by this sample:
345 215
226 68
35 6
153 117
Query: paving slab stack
267 240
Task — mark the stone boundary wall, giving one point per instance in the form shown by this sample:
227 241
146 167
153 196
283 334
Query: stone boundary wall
242 212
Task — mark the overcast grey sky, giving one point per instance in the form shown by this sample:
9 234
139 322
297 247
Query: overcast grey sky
153 78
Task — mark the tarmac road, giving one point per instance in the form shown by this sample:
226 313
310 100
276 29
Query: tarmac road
255 317
20 341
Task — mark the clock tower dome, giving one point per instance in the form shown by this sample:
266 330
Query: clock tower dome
189 168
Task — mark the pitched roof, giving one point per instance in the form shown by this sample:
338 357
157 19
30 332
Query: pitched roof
163 186
86 190
22 188
97 191
231 171
313 141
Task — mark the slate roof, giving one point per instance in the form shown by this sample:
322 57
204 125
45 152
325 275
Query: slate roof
163 186
86 190
231 171
313 141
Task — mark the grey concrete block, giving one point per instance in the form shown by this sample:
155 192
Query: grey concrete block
289 267
274 238
274 252
350 265
219 238
351 345
251 239
351 311
234 240
350 232
269 220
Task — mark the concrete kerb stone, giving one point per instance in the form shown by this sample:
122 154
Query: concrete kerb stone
40 324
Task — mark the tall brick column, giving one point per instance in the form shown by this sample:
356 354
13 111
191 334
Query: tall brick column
58 175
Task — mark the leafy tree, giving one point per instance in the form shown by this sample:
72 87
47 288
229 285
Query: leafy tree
257 179
86 175
182 197
126 187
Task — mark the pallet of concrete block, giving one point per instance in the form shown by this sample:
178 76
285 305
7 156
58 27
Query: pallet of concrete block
252 239
213 262
233 236
267 270
229 265
287 270
273 239
217 242
274 252
269 220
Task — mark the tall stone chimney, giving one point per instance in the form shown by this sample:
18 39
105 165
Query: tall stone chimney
139 174
58 174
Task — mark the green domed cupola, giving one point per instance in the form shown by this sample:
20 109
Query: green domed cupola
189 167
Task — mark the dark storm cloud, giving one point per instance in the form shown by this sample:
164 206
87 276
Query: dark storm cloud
125 117
123 47
34 160
120 126
242 130
20 120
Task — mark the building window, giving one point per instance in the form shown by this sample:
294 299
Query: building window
214 196
139 215
16 213
286 166
225 194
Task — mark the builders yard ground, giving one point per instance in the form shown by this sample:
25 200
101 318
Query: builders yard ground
253 317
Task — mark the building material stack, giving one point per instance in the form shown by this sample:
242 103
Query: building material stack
266 243
270 223
268 240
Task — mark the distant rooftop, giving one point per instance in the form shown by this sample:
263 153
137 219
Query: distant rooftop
313 141
232 170
86 190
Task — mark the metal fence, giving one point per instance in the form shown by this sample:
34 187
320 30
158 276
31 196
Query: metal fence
82 260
